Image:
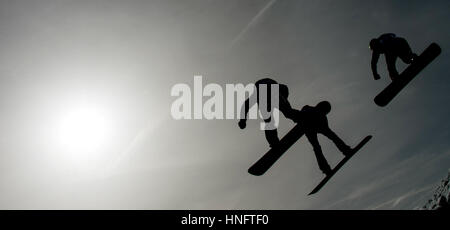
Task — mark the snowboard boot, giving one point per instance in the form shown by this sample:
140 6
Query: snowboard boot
326 170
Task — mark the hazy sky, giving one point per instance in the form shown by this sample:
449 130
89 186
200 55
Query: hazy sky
85 103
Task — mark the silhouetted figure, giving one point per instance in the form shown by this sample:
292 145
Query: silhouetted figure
392 47
314 120
283 106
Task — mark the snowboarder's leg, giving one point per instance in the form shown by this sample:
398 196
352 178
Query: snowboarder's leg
272 137
408 57
404 51
323 164
390 62
340 144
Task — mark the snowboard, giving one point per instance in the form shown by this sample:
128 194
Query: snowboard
266 161
419 63
340 164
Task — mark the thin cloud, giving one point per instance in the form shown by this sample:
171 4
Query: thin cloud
252 22
393 203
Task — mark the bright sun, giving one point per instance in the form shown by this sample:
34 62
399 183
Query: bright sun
83 133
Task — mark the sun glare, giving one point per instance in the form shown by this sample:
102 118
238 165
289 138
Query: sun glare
84 133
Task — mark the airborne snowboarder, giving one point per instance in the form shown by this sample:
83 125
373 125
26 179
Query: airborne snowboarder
313 120
283 106
392 47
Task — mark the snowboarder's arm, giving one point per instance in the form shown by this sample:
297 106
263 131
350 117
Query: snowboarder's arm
287 110
250 102
373 64
245 108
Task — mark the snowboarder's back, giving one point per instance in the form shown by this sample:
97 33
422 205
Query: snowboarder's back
313 118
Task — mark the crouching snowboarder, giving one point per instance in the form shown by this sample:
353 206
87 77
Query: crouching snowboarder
283 105
392 47
313 119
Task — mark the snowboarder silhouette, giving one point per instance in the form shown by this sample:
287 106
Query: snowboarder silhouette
283 106
392 47
313 120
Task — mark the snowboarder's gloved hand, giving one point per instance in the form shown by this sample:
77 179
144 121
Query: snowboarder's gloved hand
242 123
376 76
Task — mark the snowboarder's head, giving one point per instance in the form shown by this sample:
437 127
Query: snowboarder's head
374 44
284 91
324 107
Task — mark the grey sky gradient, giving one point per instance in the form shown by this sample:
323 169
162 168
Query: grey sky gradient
124 56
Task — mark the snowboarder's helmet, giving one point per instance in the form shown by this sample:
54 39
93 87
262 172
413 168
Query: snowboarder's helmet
324 106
